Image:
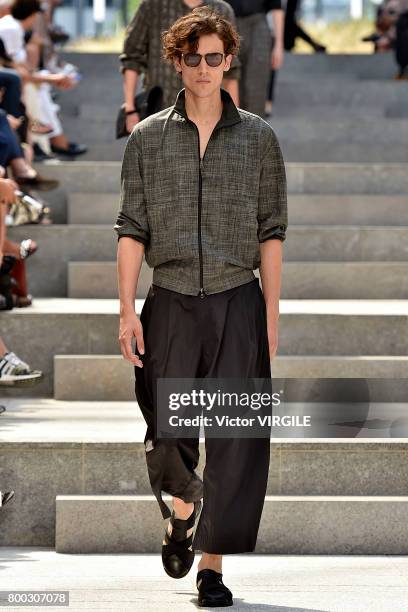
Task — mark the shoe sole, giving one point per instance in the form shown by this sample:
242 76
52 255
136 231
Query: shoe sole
17 382
214 605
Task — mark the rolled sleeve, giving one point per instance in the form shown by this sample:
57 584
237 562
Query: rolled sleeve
132 216
272 205
136 43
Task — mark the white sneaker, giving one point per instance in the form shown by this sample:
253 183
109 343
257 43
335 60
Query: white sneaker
14 371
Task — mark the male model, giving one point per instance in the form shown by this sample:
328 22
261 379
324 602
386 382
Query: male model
142 51
204 197
260 50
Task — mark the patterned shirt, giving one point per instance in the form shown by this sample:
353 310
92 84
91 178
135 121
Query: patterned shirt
201 220
142 49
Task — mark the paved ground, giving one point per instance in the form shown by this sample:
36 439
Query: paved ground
259 583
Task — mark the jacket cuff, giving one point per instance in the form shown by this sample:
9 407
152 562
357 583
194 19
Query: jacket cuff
131 64
275 232
137 238
125 227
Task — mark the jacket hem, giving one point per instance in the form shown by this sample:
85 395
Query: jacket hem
174 284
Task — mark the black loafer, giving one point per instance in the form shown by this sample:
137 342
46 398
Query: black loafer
212 592
177 557
73 150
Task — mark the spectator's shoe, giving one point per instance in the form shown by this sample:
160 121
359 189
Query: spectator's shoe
41 129
58 35
374 37
320 49
37 182
402 75
177 552
6 497
14 371
39 154
212 592
73 150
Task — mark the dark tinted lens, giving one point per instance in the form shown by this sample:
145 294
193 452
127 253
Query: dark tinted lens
192 59
214 59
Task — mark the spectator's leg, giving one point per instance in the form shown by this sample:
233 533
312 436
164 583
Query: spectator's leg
11 103
258 65
10 148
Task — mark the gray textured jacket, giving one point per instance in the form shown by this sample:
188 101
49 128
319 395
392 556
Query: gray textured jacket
142 49
201 221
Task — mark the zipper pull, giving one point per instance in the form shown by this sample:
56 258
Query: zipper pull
201 165
202 293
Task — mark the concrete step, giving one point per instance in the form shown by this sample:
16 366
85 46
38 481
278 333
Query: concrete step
307 327
343 130
335 525
315 150
303 178
362 65
99 280
113 377
60 244
300 280
50 448
310 209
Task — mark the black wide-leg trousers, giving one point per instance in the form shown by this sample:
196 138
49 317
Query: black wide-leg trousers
222 335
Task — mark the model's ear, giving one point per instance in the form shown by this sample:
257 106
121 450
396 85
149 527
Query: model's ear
228 60
177 64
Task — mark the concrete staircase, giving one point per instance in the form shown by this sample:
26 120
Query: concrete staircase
72 447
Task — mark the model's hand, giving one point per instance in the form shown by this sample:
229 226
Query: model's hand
277 57
131 121
272 321
130 326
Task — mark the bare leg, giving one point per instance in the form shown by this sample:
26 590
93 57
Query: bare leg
207 561
21 168
60 141
3 348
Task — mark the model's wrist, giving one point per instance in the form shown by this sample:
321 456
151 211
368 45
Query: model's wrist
127 309
272 312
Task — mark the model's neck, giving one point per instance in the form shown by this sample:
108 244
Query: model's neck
204 110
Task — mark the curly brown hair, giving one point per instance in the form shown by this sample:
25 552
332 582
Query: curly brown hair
188 29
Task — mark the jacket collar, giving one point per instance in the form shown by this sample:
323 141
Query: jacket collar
230 114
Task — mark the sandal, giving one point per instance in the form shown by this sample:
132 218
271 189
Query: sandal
212 592
27 248
22 301
177 552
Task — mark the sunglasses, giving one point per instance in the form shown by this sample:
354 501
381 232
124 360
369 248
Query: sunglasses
194 59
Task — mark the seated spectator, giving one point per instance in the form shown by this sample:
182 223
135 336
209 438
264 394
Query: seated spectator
37 83
11 154
13 288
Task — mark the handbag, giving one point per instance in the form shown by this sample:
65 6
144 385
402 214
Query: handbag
27 210
147 103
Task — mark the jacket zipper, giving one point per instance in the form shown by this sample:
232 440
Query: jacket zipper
200 246
202 293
